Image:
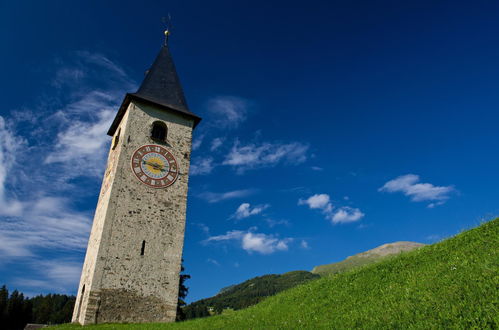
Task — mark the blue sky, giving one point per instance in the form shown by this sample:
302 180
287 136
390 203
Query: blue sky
329 128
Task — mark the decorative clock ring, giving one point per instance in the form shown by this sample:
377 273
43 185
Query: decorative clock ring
154 166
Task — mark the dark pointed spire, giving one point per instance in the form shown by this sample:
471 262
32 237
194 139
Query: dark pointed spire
161 87
161 83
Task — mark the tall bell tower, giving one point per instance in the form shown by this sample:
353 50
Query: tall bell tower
132 265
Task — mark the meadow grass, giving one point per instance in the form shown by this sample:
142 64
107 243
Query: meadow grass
452 284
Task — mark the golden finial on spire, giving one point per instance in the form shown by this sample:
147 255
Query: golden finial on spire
168 22
167 34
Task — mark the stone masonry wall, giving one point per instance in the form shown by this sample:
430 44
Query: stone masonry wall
95 241
121 285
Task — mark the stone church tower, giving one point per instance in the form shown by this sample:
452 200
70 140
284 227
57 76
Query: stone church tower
132 265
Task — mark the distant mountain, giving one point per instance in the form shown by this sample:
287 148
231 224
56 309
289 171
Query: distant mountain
247 293
365 258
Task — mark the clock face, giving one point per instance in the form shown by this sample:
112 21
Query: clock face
154 166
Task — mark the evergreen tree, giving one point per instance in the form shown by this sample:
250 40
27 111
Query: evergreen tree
4 298
182 293
15 311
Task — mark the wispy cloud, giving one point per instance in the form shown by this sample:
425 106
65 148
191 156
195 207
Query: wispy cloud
322 202
83 145
213 197
213 262
304 245
55 274
103 61
216 143
228 111
9 146
197 142
265 155
245 210
38 196
409 185
46 223
254 242
204 228
275 222
201 166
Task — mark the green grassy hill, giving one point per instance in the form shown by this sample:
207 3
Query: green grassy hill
366 258
452 284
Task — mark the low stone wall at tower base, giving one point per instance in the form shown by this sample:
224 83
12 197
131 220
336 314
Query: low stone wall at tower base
124 306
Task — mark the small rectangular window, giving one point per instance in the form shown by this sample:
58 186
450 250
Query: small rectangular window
143 248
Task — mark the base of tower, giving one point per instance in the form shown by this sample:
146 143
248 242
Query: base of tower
124 306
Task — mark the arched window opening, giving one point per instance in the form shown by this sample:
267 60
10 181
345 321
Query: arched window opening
116 139
159 131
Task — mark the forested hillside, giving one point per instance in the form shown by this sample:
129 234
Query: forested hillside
16 310
247 293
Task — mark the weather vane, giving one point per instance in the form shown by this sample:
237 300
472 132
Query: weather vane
168 26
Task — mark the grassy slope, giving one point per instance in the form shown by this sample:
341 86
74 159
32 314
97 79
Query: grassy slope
452 284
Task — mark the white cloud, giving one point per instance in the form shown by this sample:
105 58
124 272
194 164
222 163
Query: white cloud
229 111
409 186
254 242
322 202
274 222
316 168
9 146
103 61
45 219
94 87
204 228
64 75
304 245
317 201
265 155
213 262
61 275
234 234
212 197
245 210
433 205
347 214
264 244
198 141
83 145
216 143
201 166
46 223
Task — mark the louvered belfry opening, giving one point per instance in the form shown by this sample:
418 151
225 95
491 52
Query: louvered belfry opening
159 131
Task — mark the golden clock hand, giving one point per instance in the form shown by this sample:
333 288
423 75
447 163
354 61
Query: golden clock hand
155 166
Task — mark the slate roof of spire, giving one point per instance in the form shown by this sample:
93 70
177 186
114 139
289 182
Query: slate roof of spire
161 87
